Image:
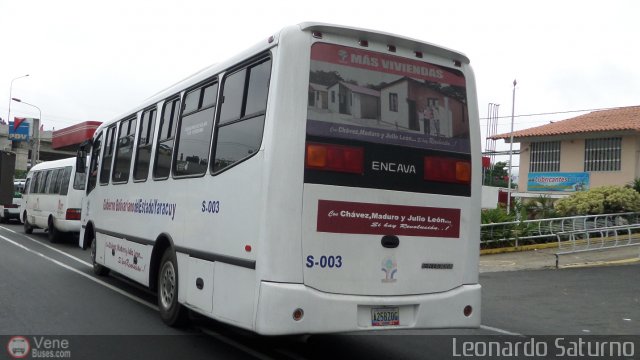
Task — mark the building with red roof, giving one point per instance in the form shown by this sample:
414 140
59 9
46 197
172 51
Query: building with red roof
595 149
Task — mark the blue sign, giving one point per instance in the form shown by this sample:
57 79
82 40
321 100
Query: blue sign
19 130
558 181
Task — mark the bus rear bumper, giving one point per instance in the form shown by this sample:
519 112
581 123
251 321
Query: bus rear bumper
326 313
68 225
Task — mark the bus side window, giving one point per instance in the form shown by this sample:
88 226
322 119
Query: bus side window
79 180
124 150
145 140
34 184
44 185
105 169
66 177
241 124
194 131
164 148
95 161
27 183
54 188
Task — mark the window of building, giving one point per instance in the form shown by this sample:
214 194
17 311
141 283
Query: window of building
544 156
393 102
124 150
602 154
164 148
239 132
194 132
145 140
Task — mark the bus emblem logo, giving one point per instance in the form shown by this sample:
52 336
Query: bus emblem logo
343 55
390 268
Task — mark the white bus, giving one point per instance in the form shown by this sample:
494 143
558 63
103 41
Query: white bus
53 198
325 180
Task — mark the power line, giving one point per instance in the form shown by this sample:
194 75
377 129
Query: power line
557 112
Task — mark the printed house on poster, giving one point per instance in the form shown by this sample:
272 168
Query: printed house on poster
357 101
318 96
447 117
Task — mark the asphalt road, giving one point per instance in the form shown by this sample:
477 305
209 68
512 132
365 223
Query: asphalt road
49 289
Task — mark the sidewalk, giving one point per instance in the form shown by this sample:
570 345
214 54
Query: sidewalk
545 259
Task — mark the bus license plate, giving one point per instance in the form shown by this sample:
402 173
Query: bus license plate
388 316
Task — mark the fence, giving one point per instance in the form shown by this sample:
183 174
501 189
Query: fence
544 230
597 239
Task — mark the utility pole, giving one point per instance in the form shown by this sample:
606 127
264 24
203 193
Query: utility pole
513 104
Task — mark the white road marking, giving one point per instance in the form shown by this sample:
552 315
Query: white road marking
500 331
50 247
63 265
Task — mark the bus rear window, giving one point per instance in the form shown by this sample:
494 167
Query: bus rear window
399 111
362 95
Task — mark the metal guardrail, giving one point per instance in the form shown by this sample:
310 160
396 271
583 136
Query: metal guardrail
519 231
603 238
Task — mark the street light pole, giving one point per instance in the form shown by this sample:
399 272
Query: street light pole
10 94
513 104
36 130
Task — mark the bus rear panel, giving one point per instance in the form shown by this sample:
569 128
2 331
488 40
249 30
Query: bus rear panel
389 236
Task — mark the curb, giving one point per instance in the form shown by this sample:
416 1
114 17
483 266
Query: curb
600 263
518 248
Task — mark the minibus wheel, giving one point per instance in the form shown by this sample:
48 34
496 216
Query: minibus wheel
53 233
28 229
97 268
171 311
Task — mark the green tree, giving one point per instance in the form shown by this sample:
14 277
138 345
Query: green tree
635 184
540 208
497 175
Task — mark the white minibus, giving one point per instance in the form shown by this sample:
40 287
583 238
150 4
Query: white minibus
52 198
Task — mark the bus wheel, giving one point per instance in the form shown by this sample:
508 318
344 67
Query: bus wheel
97 268
53 233
28 229
171 311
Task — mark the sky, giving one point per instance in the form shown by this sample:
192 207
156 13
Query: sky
93 61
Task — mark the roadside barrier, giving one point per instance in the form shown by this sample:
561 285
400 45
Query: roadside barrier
520 232
601 238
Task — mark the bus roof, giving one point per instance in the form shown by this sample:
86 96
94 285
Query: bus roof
270 42
54 164
383 37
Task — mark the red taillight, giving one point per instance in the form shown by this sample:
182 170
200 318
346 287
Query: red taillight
73 214
331 157
447 170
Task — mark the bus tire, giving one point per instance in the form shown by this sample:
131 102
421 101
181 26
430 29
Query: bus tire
28 229
97 268
53 233
171 311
